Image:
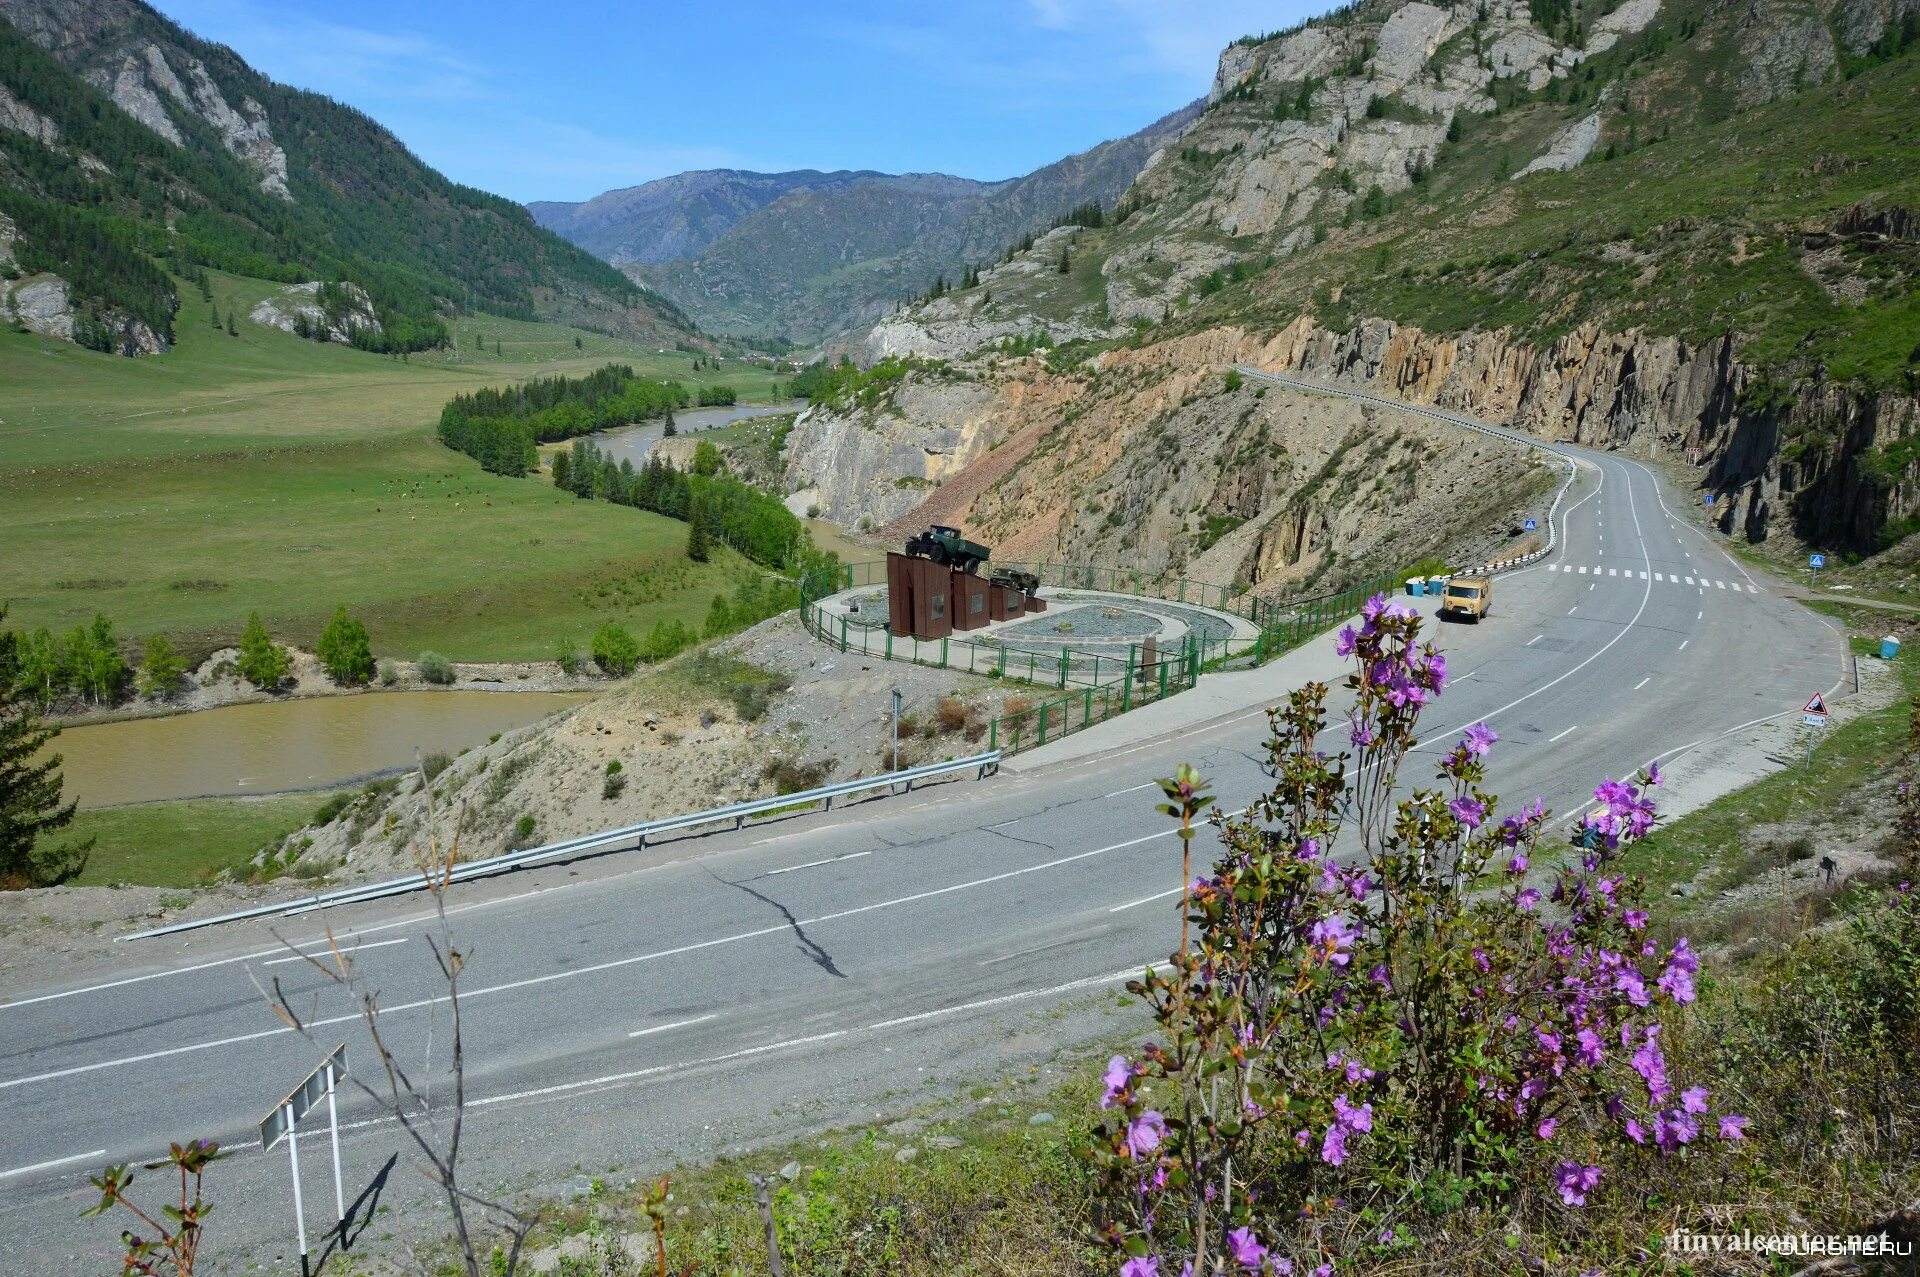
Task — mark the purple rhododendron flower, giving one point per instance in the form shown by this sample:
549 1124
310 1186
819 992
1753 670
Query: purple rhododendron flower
1694 1099
1334 937
1353 1117
1519 863
1119 1073
1479 740
1246 1248
1333 1149
1589 1051
1141 1266
1546 1128
1733 1127
1575 1182
1470 812
1145 1132
1345 641
1527 898
1672 1129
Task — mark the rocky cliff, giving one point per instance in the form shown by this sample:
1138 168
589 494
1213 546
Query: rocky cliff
1542 214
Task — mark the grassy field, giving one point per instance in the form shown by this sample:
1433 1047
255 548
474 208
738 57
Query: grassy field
265 472
183 844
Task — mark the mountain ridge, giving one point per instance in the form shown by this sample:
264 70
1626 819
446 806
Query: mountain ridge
831 252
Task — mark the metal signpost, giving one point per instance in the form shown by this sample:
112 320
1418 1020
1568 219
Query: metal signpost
1814 563
1814 715
284 1119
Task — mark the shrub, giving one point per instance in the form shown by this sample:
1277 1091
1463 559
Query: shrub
613 767
434 668
613 786
523 830
951 713
665 640
160 670
567 657
333 806
1233 380
791 776
1416 1028
433 764
614 649
389 673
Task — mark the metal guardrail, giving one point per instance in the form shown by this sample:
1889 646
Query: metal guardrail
1454 419
637 835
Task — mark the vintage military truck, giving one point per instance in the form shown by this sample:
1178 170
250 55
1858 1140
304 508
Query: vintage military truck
945 546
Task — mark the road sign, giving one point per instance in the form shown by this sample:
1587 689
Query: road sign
1533 525
1814 712
312 1089
1816 560
285 1121
1707 500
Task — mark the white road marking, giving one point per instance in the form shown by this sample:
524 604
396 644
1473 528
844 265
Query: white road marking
1683 644
1130 788
613 964
1570 731
1643 682
1699 616
58 1161
677 1024
1535 639
325 953
830 860
1146 900
1721 584
1573 609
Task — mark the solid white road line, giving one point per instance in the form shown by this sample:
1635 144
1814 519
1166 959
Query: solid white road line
830 860
614 964
47 1166
1570 731
677 1024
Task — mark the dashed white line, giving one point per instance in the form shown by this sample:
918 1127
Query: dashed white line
58 1161
830 860
1643 682
1570 731
1535 639
1146 900
677 1024
1683 644
1130 789
324 953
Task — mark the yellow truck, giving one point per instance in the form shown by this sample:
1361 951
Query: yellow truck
1467 597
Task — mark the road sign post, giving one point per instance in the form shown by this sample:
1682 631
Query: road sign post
1814 716
284 1119
1814 563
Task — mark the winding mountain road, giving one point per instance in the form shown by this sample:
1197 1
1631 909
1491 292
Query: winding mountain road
719 992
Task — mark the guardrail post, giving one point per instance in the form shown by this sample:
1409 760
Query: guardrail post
993 733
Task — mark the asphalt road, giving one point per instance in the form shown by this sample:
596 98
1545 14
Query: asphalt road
723 991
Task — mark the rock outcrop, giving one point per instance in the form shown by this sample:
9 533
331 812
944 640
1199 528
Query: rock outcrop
297 309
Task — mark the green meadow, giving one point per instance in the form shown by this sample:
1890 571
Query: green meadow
177 493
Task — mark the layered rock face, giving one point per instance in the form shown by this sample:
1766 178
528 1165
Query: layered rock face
1799 458
297 306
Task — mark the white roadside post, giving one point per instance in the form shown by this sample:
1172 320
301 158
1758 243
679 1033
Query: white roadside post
284 1119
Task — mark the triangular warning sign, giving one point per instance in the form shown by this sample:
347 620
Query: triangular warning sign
1818 705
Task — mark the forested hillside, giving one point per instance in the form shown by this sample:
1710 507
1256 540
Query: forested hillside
127 144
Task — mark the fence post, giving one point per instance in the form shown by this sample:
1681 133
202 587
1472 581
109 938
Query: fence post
843 634
1063 669
889 644
1043 725
993 734
1086 708
1163 678
943 653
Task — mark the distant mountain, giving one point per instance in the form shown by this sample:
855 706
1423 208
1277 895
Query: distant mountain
806 254
678 216
127 144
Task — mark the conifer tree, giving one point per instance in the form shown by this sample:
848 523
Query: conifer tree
30 806
263 662
345 650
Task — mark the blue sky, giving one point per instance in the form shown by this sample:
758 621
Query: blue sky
563 101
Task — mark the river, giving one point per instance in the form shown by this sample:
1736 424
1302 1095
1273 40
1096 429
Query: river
279 745
632 443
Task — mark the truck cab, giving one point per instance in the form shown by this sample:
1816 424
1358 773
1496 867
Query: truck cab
1467 597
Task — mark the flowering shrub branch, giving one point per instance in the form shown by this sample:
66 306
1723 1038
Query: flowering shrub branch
1412 1021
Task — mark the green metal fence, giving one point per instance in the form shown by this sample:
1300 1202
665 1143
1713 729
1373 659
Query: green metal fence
1097 684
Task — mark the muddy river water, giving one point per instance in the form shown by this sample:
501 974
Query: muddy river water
303 744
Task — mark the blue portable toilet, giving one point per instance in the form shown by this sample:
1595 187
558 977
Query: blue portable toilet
1436 585
1416 585
1889 648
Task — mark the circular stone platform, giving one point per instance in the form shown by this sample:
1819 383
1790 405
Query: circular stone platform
1090 625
